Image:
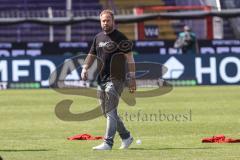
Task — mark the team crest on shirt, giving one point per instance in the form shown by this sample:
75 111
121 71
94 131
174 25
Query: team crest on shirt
102 44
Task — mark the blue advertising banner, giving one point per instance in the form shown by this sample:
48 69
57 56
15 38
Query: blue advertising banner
205 69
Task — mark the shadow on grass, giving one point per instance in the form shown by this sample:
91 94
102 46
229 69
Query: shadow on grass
24 150
183 148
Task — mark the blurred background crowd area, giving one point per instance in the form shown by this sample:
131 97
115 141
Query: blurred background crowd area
157 29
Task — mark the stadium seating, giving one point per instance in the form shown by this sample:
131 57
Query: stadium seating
36 8
85 31
231 26
165 28
196 25
170 2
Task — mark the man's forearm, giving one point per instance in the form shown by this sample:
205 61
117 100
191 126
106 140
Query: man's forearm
131 73
88 61
131 65
131 69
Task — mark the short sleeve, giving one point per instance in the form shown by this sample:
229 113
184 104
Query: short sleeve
93 47
125 44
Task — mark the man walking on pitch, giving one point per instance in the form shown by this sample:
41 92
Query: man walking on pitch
113 51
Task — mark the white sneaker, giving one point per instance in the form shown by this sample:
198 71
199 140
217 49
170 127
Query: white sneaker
126 143
103 146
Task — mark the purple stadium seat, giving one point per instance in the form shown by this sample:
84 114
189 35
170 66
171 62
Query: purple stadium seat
36 32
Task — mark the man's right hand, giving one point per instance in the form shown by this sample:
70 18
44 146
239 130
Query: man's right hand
84 74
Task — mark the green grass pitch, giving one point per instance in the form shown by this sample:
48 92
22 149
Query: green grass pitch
29 128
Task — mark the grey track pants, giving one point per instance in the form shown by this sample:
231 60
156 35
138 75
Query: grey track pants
109 94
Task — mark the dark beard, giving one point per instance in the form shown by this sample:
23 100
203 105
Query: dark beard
107 29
